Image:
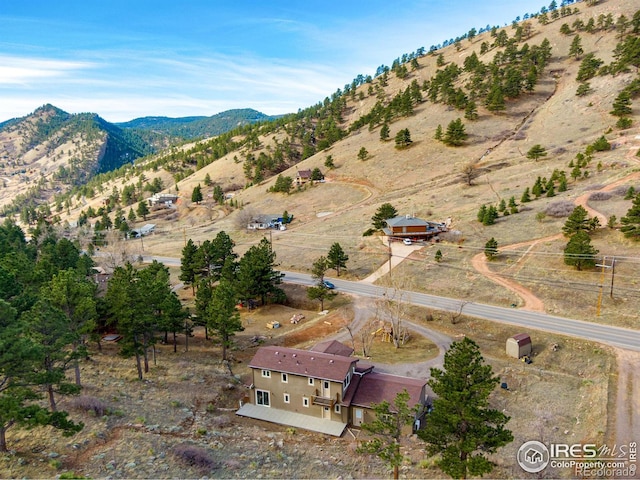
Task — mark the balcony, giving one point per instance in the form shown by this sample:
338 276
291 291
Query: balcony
317 399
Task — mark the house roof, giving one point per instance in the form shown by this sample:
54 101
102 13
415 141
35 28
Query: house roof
333 347
266 218
304 173
303 362
378 387
406 221
522 339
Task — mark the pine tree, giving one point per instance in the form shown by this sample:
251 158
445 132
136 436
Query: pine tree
579 252
386 429
525 196
536 152
455 135
577 221
143 210
196 194
631 221
384 132
462 428
438 135
336 258
491 248
403 138
576 50
384 212
222 317
188 265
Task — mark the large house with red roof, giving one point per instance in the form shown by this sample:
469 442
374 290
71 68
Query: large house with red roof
323 389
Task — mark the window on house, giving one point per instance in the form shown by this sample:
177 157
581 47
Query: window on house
305 401
287 399
285 378
262 398
266 373
326 385
337 408
311 381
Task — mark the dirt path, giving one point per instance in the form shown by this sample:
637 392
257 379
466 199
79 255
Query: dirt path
627 408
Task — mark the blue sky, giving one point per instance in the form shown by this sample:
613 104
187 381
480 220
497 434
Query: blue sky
125 59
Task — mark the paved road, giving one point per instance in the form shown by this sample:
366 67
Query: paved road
616 336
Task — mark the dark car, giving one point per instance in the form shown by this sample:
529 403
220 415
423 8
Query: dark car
328 285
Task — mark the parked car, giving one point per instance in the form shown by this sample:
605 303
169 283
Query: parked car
407 241
328 285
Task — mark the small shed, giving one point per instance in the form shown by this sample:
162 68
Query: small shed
519 345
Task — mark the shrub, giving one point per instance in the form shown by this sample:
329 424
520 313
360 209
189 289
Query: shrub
90 404
194 456
560 209
599 196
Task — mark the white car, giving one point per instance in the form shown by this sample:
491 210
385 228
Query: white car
407 241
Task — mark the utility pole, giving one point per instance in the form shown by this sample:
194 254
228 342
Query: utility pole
613 274
603 265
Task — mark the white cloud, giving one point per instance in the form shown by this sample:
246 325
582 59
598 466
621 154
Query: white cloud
24 70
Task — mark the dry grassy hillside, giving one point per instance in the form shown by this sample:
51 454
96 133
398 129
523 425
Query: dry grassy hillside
426 180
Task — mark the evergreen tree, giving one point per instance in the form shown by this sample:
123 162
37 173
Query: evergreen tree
491 248
439 134
329 163
386 429
495 99
222 317
579 221
631 221
384 212
481 213
470 111
575 50
536 152
455 135
49 329
490 216
143 210
19 406
363 154
320 291
525 196
384 132
403 138
336 258
622 104
256 274
579 252
189 265
74 295
196 194
462 428
438 256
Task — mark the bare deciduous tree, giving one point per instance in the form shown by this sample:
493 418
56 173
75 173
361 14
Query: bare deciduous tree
392 309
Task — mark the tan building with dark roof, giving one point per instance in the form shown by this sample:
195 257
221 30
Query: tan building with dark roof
323 389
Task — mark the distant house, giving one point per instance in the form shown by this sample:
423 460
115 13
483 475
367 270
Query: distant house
321 391
411 227
142 231
158 199
302 177
263 222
